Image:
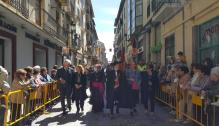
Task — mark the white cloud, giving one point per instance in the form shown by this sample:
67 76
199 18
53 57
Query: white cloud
107 38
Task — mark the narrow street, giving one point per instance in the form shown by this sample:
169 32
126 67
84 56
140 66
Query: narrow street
55 118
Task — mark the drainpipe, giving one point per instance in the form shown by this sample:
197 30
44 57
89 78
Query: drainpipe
183 25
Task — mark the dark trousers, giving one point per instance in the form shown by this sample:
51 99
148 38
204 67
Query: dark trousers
79 98
149 97
65 92
134 98
2 117
211 111
16 111
114 100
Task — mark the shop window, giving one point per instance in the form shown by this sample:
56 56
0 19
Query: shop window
59 59
2 52
40 56
169 47
207 36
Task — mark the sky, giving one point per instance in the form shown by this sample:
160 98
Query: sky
105 12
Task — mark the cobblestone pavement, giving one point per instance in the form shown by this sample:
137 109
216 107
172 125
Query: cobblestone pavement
55 118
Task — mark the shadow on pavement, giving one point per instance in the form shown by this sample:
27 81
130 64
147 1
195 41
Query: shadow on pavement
68 118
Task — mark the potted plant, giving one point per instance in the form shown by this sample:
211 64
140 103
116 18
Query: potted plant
157 48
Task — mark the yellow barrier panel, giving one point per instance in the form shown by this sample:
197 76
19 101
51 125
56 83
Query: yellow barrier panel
172 96
3 108
25 103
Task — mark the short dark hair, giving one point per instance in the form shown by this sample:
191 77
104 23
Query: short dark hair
197 66
185 69
43 69
151 66
180 53
55 67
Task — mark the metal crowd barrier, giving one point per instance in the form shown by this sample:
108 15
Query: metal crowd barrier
22 104
195 108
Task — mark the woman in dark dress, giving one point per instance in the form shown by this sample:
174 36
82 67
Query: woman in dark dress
80 88
97 87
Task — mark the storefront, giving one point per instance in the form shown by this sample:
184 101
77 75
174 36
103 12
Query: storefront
208 40
40 55
8 46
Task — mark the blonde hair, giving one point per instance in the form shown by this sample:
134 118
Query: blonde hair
20 72
3 74
82 68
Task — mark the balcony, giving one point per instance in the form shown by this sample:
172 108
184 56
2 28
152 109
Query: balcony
52 26
21 6
162 9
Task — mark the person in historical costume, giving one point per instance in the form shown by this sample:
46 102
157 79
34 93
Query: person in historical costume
97 89
134 80
80 88
113 80
66 76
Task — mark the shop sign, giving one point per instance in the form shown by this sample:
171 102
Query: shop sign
209 32
7 26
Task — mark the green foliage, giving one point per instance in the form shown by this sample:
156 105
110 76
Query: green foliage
157 48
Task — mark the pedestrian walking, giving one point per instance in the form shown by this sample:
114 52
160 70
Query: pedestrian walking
141 67
150 82
80 88
134 79
97 87
66 76
113 81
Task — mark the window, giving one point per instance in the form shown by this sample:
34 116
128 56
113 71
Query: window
139 10
2 52
40 56
38 12
139 20
59 59
149 10
169 47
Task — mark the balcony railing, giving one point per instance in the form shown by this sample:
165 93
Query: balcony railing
52 26
157 4
21 6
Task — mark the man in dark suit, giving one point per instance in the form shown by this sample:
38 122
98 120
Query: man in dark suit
66 76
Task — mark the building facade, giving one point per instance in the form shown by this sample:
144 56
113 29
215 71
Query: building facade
34 32
100 53
188 26
31 33
128 25
171 26
83 32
